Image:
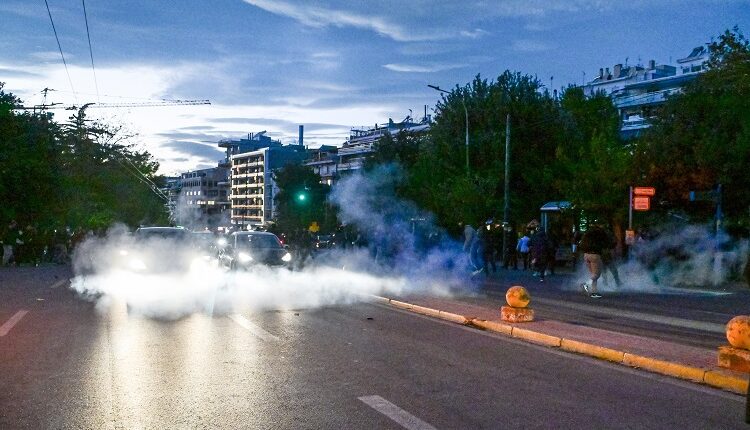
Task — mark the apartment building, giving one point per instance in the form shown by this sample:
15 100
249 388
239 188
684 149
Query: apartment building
637 90
252 186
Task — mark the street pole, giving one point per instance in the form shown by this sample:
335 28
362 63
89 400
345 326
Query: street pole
466 113
630 209
506 198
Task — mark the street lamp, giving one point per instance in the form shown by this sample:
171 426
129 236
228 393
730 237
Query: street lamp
466 115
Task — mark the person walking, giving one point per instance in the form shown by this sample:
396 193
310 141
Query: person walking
593 243
469 237
11 239
488 240
609 260
523 249
539 247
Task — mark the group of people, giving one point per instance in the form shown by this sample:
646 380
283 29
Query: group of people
33 245
536 250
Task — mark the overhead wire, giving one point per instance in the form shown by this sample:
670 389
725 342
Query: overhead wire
70 81
91 51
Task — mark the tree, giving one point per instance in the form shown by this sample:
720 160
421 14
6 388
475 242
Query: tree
301 200
701 138
593 168
76 175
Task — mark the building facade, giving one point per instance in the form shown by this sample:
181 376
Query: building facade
203 198
637 90
252 186
331 163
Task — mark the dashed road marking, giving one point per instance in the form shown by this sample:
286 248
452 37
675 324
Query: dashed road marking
59 283
403 418
253 328
5 328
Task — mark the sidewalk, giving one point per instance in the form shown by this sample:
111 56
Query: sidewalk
668 358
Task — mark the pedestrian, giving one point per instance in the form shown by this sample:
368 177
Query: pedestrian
522 246
489 249
593 243
608 258
469 236
11 240
476 252
510 256
539 247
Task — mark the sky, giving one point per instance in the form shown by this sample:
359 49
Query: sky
330 65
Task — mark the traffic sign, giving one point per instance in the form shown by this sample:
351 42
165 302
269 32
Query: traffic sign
641 203
644 191
314 227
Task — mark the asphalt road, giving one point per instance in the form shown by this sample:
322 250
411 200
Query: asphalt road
65 365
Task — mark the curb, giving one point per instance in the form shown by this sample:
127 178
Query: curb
735 384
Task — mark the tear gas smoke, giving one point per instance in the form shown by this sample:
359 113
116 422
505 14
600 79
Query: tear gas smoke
169 279
678 256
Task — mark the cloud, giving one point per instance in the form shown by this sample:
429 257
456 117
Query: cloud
412 68
318 17
474 34
527 45
4 71
208 153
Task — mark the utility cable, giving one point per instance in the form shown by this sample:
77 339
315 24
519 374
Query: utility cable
61 51
91 52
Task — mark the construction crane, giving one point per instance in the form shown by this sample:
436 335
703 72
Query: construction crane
155 103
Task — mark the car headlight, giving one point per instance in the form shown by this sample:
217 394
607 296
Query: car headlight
244 258
123 252
287 257
136 264
221 242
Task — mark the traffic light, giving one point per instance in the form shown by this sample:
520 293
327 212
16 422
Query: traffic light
302 196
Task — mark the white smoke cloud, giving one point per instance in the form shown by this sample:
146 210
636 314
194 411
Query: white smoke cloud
405 253
684 256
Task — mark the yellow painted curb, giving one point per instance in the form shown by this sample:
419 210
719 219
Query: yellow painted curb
535 337
592 350
493 326
731 383
383 300
425 311
402 305
456 318
664 367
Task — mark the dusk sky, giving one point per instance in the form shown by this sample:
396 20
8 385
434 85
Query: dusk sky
330 65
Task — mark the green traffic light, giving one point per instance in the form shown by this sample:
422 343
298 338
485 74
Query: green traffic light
301 197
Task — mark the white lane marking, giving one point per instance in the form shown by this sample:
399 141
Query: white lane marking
403 418
5 328
673 321
253 328
59 283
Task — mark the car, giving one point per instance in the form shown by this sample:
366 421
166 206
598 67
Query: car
157 250
246 249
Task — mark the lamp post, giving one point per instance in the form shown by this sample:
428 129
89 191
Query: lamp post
466 116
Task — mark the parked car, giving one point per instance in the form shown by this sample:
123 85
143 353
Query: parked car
246 249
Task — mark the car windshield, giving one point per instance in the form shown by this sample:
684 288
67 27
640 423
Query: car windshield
257 241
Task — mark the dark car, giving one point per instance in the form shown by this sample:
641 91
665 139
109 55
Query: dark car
249 248
156 250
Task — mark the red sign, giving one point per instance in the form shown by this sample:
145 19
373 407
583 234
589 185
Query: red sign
644 191
641 203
